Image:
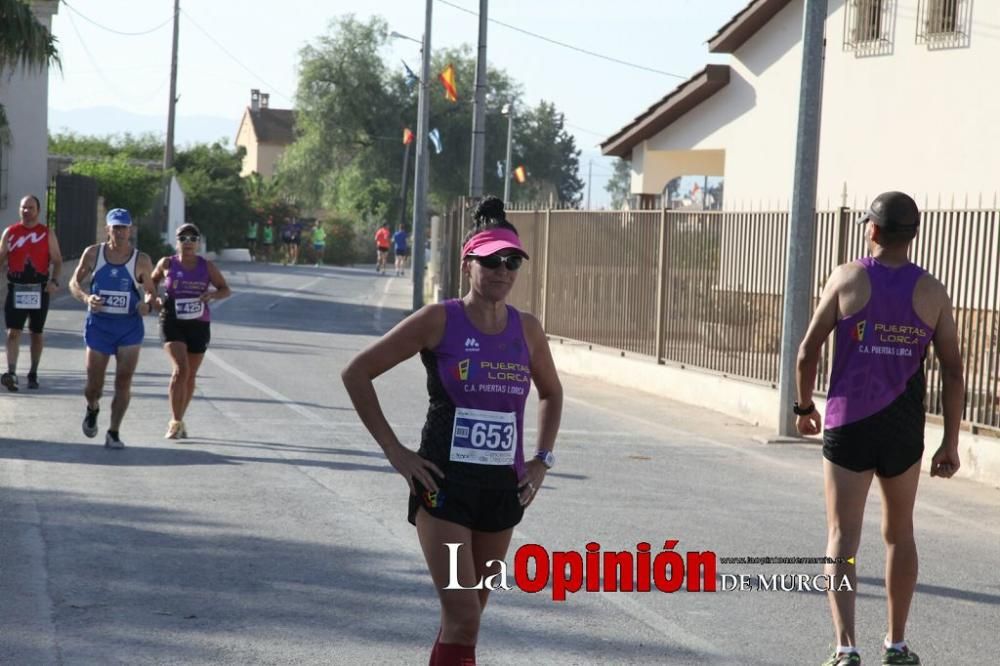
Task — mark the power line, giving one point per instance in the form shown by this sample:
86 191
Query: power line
93 61
565 45
117 32
583 129
234 58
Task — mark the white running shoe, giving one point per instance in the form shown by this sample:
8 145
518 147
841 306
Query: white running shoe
113 441
174 430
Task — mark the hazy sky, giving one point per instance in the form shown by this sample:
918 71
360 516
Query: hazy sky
228 47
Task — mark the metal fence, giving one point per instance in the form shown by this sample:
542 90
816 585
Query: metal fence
705 289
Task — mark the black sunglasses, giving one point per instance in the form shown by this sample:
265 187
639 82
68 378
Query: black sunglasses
493 261
188 239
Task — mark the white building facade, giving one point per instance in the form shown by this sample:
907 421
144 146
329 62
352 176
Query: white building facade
25 147
907 105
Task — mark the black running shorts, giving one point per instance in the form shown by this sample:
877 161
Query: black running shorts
889 441
194 333
15 319
479 509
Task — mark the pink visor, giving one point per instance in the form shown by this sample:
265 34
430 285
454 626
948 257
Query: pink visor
492 241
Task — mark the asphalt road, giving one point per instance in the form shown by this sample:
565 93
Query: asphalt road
277 534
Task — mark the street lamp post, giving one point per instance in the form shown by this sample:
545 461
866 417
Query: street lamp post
422 165
508 110
421 161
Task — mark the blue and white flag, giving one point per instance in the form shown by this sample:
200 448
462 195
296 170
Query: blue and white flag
411 78
435 138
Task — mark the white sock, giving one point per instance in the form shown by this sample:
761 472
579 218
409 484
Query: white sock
846 649
901 645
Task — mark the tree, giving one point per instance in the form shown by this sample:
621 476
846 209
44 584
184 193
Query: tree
146 146
266 198
122 184
23 42
619 186
215 196
672 188
346 113
352 109
549 155
449 171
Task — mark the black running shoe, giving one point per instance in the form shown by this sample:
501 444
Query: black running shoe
90 422
32 380
9 379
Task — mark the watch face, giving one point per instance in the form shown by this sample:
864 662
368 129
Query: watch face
547 457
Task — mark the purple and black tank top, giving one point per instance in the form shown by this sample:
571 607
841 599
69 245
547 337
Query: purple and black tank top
184 288
478 385
877 381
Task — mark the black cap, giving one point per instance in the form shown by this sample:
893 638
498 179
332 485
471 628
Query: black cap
893 211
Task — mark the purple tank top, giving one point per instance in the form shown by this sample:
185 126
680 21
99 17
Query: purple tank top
478 385
879 349
184 288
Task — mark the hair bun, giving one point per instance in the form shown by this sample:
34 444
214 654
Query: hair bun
490 208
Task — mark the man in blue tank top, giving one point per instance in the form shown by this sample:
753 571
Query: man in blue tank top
886 311
120 294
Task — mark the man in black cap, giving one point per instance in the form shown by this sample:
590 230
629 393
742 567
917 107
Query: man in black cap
886 311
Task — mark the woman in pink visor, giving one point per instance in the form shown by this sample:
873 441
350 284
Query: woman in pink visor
472 477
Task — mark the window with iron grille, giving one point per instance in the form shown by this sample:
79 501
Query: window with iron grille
944 23
868 27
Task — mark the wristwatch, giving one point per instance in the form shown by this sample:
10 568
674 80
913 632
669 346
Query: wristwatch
547 458
804 411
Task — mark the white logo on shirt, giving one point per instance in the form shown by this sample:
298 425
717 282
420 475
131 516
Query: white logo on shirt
471 345
23 240
114 272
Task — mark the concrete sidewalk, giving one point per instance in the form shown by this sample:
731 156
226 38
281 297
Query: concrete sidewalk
756 403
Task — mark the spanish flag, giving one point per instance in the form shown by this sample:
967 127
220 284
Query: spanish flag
520 174
447 78
407 136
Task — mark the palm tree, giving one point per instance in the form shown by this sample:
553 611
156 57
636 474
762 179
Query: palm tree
23 41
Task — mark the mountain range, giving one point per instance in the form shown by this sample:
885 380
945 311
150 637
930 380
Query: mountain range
104 120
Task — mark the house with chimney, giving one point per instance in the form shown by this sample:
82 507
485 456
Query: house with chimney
265 133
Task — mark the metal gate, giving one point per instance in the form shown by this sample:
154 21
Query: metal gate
72 207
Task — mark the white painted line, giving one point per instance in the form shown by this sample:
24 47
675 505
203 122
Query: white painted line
265 389
380 306
293 292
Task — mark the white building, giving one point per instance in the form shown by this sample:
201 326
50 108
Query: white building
24 148
907 105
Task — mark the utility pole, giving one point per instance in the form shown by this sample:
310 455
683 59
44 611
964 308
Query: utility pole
402 193
802 226
168 149
422 165
479 110
510 141
590 175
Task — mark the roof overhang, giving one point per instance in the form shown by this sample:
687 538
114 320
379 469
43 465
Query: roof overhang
653 120
744 25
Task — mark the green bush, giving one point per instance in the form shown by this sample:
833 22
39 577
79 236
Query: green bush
150 242
341 243
123 185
